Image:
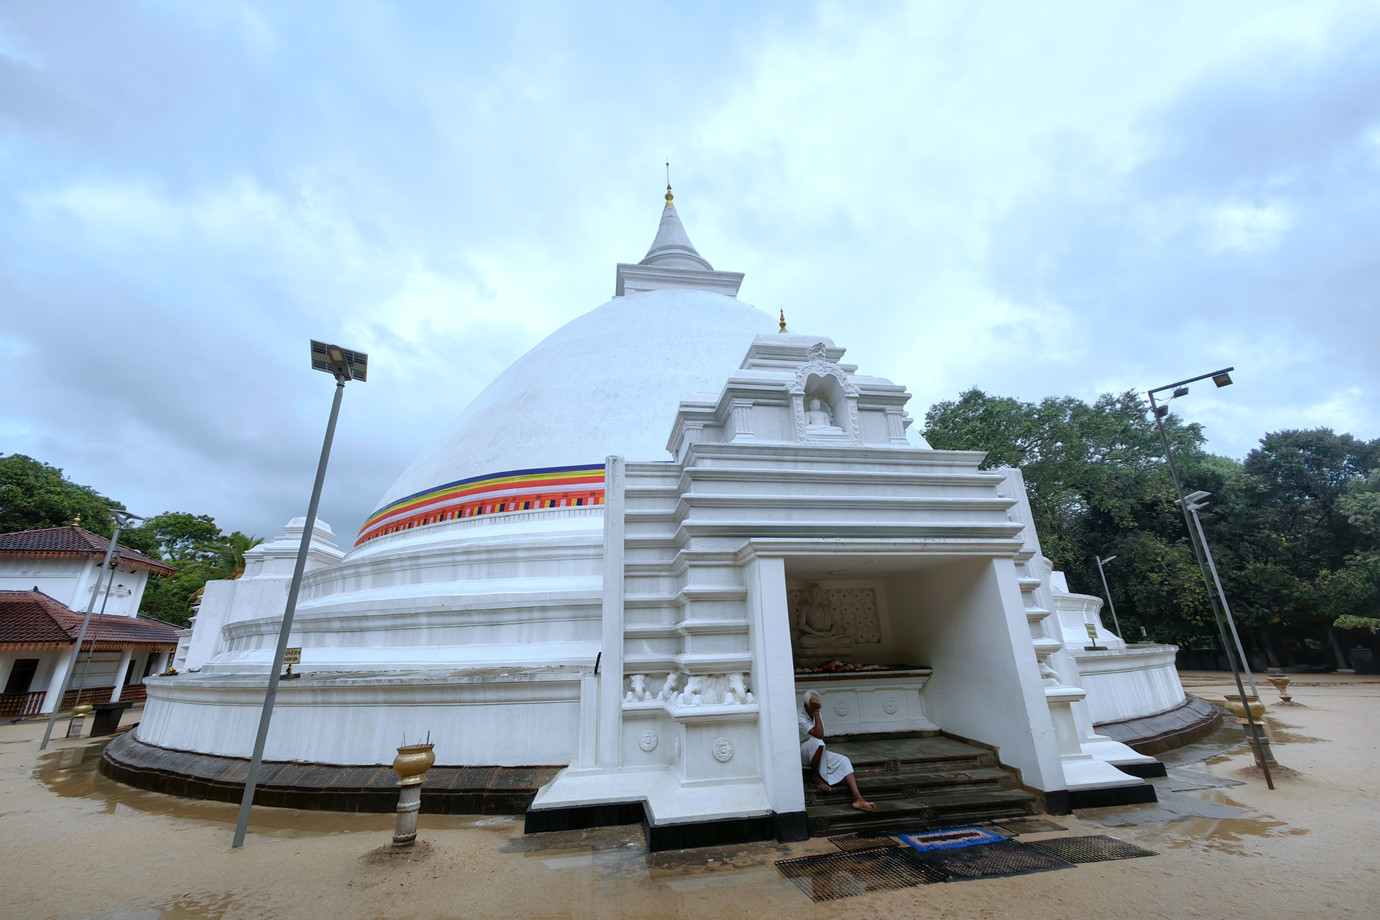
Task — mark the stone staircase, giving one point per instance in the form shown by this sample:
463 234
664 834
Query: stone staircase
919 782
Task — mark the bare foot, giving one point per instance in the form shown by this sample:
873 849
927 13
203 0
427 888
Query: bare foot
864 805
821 785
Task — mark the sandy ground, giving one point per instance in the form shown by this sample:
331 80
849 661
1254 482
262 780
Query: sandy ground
76 845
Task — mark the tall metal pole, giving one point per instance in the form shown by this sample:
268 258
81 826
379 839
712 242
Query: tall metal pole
1107 591
120 518
267 714
111 566
1222 595
1212 599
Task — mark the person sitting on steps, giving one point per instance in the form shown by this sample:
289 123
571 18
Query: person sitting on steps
826 767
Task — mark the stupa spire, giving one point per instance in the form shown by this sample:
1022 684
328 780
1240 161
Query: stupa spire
672 247
673 262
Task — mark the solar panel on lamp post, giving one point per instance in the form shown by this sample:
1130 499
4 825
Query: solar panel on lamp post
344 365
122 518
1221 378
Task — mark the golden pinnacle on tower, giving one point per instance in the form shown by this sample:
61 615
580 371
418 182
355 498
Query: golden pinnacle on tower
668 196
783 321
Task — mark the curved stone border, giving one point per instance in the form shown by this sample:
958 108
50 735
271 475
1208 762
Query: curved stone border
321 787
1165 731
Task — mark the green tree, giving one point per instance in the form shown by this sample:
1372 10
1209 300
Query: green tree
182 538
1098 484
34 495
201 552
1295 534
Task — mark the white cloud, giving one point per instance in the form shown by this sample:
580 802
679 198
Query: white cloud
1245 227
960 195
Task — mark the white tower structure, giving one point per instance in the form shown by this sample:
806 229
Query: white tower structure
631 556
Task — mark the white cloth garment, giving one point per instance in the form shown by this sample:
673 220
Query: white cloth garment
833 767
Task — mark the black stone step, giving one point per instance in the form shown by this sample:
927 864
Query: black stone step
919 783
913 755
924 812
906 785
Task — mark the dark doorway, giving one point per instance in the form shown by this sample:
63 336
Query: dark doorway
21 676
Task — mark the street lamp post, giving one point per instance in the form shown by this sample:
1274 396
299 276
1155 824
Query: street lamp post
1107 591
1196 502
344 365
122 518
1221 378
111 565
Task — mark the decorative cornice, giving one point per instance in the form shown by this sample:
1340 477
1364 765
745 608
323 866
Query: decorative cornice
636 279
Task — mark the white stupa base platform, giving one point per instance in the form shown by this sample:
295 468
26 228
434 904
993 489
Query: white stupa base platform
500 716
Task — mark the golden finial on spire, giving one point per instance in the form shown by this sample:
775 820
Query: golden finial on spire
668 184
76 521
783 321
668 196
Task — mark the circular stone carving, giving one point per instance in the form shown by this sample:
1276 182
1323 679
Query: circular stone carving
841 709
723 750
889 707
647 740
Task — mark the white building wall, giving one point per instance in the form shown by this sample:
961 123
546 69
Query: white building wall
970 624
72 581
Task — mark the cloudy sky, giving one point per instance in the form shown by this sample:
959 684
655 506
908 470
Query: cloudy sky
1037 199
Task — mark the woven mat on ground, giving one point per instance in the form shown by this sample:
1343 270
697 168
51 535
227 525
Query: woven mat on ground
952 838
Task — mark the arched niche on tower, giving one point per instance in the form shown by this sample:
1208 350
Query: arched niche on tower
824 401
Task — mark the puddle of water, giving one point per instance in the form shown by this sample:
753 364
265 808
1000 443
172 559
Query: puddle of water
1228 735
557 843
1226 835
716 859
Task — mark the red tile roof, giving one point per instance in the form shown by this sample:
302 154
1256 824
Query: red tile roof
76 541
32 619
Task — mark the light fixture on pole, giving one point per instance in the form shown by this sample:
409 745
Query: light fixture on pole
122 518
1221 378
344 365
1107 591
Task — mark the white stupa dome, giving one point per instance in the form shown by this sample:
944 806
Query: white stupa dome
606 383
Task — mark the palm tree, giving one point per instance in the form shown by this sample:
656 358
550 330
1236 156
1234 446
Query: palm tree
230 555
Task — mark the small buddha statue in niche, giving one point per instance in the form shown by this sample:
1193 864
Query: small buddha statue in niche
817 414
815 625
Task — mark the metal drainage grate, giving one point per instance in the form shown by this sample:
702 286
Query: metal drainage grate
1005 857
830 876
851 842
1028 826
1088 849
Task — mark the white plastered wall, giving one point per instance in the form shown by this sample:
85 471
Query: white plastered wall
965 619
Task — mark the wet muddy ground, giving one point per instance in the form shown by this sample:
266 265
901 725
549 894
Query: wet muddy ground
77 846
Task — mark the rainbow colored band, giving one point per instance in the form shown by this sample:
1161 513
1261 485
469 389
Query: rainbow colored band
495 493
